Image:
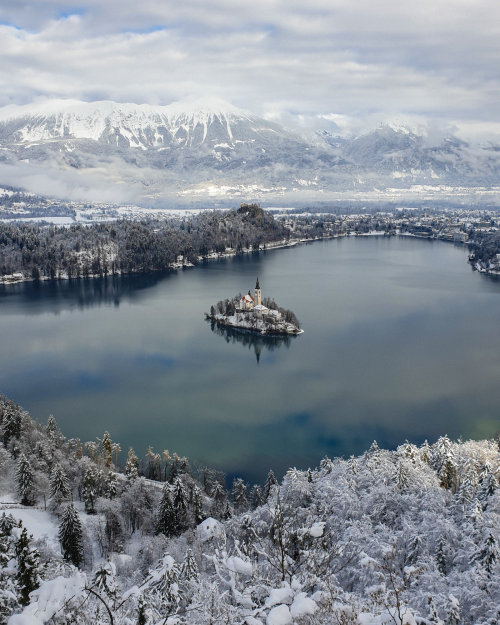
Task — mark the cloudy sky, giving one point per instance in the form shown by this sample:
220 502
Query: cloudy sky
350 61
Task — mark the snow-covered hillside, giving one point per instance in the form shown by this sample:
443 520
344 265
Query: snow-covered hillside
404 537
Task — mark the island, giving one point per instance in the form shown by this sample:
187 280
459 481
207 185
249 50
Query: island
253 313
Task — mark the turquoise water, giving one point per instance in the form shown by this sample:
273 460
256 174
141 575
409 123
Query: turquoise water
401 342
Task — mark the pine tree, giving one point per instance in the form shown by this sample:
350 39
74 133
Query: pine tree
174 469
469 484
270 482
433 615
11 425
402 477
71 535
256 496
107 449
219 495
189 569
165 518
426 452
179 501
8 593
240 495
111 485
51 428
7 523
131 466
489 555
25 481
488 485
440 558
59 487
90 488
197 505
414 550
153 462
476 511
28 575
448 474
453 617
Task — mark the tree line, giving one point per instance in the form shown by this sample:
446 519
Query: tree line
122 247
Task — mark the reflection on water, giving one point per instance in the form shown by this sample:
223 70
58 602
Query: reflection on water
58 295
401 342
251 339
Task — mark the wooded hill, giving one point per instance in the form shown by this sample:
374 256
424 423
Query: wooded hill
131 246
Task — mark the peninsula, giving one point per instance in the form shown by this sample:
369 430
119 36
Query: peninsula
251 312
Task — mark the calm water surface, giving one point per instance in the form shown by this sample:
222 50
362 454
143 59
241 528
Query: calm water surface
401 342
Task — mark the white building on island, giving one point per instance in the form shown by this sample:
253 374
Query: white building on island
254 303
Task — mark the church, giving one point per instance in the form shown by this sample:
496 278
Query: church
253 303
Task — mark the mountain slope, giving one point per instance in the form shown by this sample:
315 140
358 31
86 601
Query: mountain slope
149 153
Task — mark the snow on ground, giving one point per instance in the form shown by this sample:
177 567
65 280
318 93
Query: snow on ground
49 599
40 523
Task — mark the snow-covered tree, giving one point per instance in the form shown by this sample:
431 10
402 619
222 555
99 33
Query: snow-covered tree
488 555
488 485
28 573
25 481
8 592
166 522
59 486
239 494
11 425
71 535
131 466
219 496
197 505
52 430
111 486
271 481
179 501
453 617
91 487
107 449
256 496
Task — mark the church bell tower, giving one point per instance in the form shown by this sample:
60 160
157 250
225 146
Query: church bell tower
258 294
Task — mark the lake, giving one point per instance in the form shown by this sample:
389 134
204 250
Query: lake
401 342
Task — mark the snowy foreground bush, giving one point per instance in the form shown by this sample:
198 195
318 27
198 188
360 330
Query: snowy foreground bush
389 538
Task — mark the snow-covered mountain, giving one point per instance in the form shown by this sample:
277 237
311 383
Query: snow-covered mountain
210 148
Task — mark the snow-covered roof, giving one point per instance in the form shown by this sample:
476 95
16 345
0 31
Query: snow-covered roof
210 528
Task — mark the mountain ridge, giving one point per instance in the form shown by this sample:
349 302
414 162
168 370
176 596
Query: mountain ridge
210 144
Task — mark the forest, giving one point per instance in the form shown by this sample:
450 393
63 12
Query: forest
124 246
393 537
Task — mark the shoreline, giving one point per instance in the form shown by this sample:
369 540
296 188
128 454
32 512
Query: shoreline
18 277
224 321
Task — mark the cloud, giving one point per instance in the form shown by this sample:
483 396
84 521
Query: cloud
353 58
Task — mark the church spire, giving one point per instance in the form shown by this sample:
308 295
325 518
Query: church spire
257 285
258 294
